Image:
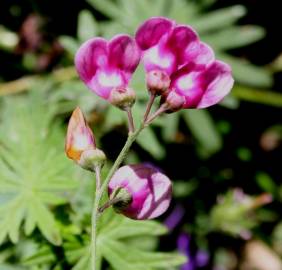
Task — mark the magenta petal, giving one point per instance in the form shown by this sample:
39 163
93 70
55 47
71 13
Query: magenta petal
151 31
219 81
180 38
199 53
91 56
150 190
124 54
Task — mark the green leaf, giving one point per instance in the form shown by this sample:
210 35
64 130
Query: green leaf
181 10
246 73
118 256
115 244
116 252
148 141
261 96
87 26
43 255
170 126
204 130
35 174
107 7
266 183
70 44
10 267
234 37
218 19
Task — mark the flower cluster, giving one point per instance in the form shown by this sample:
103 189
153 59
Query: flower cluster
179 68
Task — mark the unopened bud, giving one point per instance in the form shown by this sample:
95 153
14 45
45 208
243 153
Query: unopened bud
173 101
79 136
89 159
80 143
146 192
122 97
157 81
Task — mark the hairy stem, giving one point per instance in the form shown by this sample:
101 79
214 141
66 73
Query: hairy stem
100 189
109 203
160 111
131 127
94 218
149 106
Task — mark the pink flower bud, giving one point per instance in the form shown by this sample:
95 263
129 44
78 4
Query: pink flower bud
106 65
157 82
80 143
79 136
150 191
122 97
173 101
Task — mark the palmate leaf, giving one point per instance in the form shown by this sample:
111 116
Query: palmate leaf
34 172
112 245
117 236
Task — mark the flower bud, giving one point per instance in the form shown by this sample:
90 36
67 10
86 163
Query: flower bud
91 158
147 192
157 81
122 97
173 101
80 143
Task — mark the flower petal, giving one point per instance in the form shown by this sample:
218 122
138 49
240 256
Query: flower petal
151 31
187 82
219 81
91 56
180 38
105 81
150 190
159 201
124 54
199 53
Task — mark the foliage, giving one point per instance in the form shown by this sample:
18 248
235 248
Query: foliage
33 183
34 172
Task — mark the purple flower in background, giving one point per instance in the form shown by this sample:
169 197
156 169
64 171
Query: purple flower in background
201 258
175 217
197 80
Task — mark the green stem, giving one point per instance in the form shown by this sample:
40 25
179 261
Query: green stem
131 127
149 106
101 189
94 218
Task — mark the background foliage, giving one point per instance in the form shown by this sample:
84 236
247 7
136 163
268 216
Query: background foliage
221 160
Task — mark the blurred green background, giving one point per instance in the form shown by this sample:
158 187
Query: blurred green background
225 161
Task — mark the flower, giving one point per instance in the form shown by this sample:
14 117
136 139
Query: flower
175 217
79 136
194 261
149 190
107 65
176 51
80 143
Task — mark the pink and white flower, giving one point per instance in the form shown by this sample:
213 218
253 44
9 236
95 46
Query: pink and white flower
106 65
177 51
149 189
